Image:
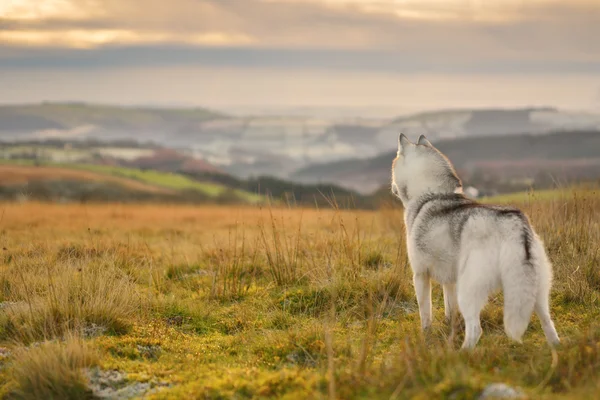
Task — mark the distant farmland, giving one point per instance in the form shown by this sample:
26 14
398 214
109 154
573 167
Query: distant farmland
19 174
167 185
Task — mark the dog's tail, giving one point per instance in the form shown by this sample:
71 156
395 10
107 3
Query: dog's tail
542 306
520 283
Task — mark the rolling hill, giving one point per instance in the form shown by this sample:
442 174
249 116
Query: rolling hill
555 153
34 180
78 182
14 174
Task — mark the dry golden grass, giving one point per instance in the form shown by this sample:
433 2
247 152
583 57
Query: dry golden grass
222 302
53 371
63 295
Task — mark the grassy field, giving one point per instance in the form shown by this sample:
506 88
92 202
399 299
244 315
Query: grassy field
563 194
223 302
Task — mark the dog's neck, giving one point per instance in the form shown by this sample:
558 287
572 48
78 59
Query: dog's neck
411 198
413 207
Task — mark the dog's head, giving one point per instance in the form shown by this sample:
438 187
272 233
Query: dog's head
420 168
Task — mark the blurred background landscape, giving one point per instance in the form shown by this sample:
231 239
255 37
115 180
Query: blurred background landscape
229 101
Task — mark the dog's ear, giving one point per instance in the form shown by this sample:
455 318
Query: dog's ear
403 142
423 141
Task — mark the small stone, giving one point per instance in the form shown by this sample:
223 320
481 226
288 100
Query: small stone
501 391
114 385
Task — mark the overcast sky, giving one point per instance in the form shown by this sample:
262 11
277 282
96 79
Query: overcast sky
410 54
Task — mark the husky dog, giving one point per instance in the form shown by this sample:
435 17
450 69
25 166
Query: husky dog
470 248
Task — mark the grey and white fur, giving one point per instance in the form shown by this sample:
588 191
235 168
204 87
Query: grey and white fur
470 248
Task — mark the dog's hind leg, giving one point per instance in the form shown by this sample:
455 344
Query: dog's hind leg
451 310
422 283
472 290
450 301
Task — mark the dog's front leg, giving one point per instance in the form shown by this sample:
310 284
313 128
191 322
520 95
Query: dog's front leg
422 283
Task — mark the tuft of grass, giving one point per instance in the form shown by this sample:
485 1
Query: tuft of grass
373 260
349 297
186 317
282 250
50 298
234 268
53 370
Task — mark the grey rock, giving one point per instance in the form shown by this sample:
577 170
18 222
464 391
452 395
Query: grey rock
114 384
501 391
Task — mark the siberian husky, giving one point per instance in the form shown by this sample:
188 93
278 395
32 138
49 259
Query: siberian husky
470 248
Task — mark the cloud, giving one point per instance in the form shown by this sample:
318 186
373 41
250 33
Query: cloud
93 38
389 35
82 23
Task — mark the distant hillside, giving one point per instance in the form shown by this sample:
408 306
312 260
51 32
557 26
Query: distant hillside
79 182
292 193
161 169
277 145
33 180
460 123
14 174
473 155
80 120
169 160
481 121
115 153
